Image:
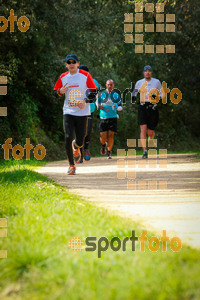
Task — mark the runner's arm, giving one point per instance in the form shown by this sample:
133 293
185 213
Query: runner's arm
135 92
57 88
120 108
119 104
99 102
92 89
159 88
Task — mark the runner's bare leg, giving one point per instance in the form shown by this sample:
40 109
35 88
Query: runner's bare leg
110 140
143 134
151 133
103 137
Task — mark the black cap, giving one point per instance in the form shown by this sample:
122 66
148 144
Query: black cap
72 56
84 67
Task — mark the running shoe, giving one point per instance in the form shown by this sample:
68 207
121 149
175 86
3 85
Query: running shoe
103 149
86 154
80 161
76 152
109 155
145 155
71 170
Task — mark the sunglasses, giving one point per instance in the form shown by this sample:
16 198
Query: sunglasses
71 62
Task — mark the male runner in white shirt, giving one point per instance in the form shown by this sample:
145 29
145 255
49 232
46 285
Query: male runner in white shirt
78 86
148 115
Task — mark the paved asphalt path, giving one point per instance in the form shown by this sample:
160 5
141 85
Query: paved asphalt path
175 208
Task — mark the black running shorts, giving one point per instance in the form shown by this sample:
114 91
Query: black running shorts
108 124
148 115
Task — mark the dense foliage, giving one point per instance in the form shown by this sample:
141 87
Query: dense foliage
95 31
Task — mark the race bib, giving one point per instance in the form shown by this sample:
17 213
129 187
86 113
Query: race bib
75 97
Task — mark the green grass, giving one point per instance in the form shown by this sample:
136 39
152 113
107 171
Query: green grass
43 217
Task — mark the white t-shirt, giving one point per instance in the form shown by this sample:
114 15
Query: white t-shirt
152 84
78 84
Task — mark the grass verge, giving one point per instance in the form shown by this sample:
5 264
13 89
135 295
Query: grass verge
42 219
